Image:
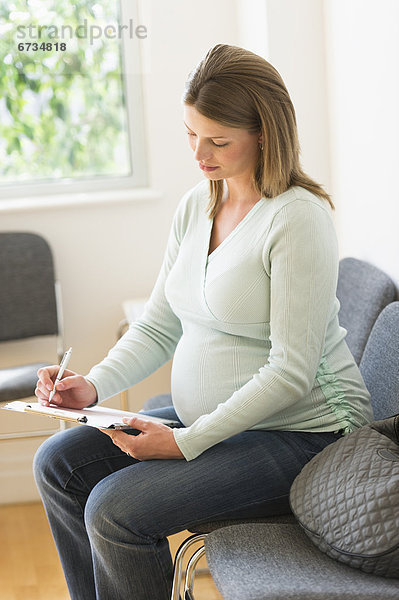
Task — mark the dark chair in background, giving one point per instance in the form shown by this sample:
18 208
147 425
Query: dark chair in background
29 306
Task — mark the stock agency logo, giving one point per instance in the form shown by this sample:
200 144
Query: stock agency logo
32 32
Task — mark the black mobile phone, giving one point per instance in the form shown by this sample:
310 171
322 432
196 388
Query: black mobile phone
124 428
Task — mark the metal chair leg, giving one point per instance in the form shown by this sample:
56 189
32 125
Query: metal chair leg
178 567
190 573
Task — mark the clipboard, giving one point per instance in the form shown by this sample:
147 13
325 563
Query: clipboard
95 416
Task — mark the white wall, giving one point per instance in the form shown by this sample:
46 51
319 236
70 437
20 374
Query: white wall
340 62
296 44
290 35
362 41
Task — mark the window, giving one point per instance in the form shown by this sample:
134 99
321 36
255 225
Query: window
70 96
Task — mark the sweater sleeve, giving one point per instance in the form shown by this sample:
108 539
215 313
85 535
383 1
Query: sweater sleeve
300 257
150 341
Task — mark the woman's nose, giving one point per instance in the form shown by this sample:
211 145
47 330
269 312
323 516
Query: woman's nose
202 151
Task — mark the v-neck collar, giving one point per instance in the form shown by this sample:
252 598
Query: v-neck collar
206 259
231 235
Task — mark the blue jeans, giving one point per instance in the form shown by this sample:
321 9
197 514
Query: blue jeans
110 514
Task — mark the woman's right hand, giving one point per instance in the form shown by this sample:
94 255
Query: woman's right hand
73 391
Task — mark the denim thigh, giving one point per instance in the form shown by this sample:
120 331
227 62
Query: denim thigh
246 476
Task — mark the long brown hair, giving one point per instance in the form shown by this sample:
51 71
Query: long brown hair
240 89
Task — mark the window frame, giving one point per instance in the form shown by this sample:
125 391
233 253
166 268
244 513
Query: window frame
87 190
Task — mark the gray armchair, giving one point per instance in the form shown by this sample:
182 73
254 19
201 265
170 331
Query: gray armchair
363 291
262 561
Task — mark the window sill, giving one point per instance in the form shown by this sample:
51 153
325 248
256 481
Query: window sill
114 197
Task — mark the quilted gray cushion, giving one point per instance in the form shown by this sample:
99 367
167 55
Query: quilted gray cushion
347 500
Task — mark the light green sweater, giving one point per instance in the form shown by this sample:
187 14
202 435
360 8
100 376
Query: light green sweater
253 328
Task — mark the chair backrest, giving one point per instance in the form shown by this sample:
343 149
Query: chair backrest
380 363
28 306
363 291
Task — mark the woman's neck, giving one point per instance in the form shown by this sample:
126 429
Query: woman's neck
239 192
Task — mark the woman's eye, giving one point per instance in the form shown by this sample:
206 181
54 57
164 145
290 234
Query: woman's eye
193 135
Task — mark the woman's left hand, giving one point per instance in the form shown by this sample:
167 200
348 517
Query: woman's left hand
156 440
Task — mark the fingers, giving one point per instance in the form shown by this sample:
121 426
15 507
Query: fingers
132 421
45 384
69 382
143 425
122 440
42 396
156 440
43 387
43 390
47 376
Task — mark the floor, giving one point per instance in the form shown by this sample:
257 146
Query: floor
29 566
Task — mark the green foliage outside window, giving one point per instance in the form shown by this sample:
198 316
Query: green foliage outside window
62 112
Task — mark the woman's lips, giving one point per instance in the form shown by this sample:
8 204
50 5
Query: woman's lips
206 168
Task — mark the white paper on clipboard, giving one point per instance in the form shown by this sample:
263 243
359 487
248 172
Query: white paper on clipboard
95 416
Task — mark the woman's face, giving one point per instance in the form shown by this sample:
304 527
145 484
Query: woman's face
222 152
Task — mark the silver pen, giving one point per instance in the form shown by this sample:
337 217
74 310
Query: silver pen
63 366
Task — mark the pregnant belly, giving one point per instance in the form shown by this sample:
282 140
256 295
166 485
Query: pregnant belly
207 370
